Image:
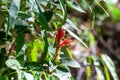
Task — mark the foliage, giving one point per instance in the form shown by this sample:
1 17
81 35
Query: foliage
33 43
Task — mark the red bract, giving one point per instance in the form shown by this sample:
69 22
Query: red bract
67 41
60 34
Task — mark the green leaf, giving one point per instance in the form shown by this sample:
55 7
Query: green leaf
28 76
32 50
72 78
88 63
70 62
93 19
4 78
76 37
46 45
107 74
13 12
48 15
19 42
22 14
72 24
36 77
75 6
102 8
63 68
50 77
110 64
13 64
63 10
42 18
21 26
3 58
97 68
19 75
69 53
62 75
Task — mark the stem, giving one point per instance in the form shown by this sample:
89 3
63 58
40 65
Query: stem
57 53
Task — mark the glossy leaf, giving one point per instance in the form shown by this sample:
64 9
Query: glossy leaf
106 71
70 62
109 63
13 12
72 24
62 75
97 68
13 64
28 76
76 37
75 6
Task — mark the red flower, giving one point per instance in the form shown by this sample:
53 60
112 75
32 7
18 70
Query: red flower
59 35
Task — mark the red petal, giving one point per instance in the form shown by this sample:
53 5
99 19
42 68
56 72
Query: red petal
66 42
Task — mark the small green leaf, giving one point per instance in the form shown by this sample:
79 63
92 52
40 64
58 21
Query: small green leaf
75 6
13 64
93 19
70 62
69 53
76 37
13 12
